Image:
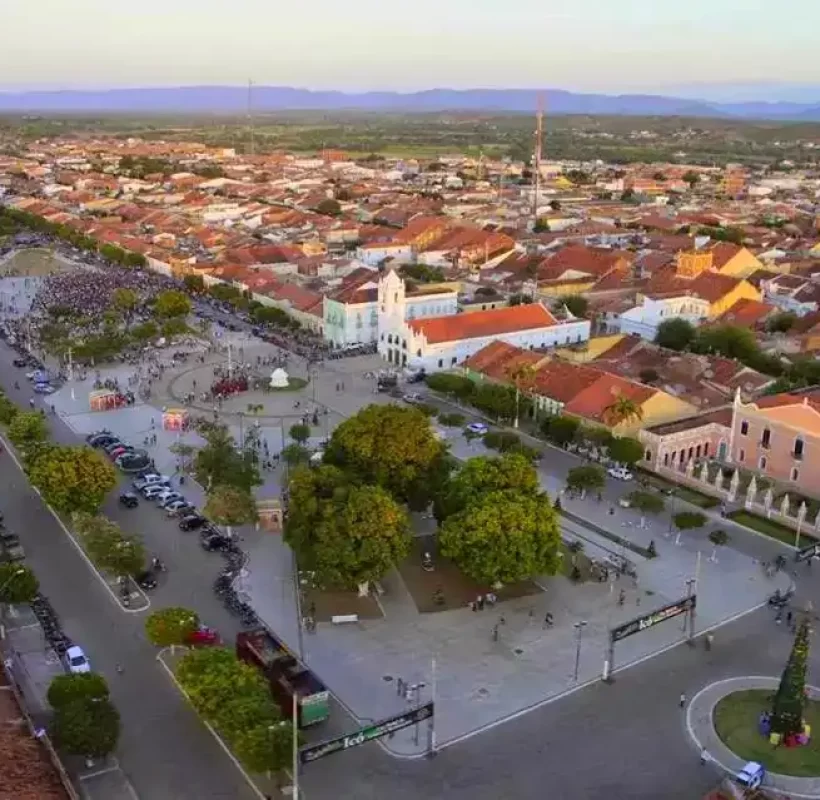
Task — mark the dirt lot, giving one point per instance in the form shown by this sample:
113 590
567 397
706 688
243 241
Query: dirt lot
34 263
457 590
322 604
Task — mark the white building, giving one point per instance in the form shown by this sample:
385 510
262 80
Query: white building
441 342
351 315
644 319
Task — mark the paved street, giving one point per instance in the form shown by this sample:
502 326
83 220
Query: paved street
165 750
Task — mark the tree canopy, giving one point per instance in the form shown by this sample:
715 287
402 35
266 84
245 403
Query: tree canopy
481 475
219 462
73 478
391 447
577 304
172 303
561 430
87 727
626 450
107 546
28 429
171 626
230 506
503 537
686 520
66 689
586 478
347 534
675 334
18 584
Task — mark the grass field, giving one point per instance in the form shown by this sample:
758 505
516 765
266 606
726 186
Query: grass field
735 720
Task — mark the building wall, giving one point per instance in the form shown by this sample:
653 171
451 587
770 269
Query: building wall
743 291
373 256
561 289
661 407
402 347
349 323
643 320
595 348
676 449
776 459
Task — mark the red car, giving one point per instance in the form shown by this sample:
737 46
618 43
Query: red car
204 637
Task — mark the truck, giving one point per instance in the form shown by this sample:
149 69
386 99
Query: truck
287 676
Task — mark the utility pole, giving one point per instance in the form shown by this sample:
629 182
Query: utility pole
252 145
295 726
536 180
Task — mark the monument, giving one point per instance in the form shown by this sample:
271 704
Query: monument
279 379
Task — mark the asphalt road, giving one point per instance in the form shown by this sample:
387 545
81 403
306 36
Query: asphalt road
165 750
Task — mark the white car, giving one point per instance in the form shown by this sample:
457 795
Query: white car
174 506
476 428
76 661
620 473
164 500
412 398
154 490
151 479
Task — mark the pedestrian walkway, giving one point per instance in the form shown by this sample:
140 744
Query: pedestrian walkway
699 716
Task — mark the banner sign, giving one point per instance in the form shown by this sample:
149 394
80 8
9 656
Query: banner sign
312 752
653 618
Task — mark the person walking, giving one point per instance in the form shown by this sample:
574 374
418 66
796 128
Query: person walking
682 700
704 756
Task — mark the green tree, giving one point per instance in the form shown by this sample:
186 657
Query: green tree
688 520
194 284
586 478
219 462
66 689
263 747
295 454
329 207
499 402
675 334
174 327
107 546
621 411
523 379
347 534
88 728
392 447
185 453
18 584
483 475
453 385
645 503
781 323
28 429
124 300
790 698
561 430
8 410
691 178
299 433
171 626
626 450
230 506
730 341
503 537
73 478
172 303
576 304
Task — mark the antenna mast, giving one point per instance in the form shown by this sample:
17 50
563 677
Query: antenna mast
539 135
252 147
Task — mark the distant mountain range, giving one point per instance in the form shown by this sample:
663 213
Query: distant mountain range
233 100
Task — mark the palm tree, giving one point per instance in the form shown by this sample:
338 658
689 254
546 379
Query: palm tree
621 410
522 376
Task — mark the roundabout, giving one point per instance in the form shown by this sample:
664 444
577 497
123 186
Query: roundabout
723 719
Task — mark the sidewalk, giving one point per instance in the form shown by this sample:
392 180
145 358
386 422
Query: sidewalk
699 724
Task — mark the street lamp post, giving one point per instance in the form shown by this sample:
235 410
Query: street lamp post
579 630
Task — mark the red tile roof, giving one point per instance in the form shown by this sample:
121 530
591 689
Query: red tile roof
499 359
592 402
479 324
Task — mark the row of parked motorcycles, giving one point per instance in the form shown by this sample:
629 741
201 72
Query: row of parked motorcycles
50 623
224 586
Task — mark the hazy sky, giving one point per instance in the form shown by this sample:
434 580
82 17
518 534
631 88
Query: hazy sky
587 45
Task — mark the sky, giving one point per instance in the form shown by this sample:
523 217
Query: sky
697 48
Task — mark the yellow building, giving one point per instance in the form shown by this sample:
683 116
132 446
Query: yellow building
594 348
732 259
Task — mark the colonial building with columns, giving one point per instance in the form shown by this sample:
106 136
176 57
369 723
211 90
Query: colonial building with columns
445 341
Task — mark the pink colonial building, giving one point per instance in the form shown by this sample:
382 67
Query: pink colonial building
779 437
776 437
673 444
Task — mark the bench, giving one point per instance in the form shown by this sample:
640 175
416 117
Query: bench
344 619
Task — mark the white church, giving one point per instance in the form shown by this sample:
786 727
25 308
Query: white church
407 338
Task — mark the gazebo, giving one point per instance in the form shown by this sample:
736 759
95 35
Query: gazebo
175 419
103 399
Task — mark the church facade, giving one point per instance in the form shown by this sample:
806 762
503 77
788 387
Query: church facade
442 342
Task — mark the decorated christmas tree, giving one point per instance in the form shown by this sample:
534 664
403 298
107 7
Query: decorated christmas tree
787 709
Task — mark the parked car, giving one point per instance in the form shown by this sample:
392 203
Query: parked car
103 440
129 500
151 479
114 444
179 508
20 362
152 491
98 435
75 660
204 637
44 388
476 428
122 450
135 464
192 522
165 499
620 473
412 398
214 541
